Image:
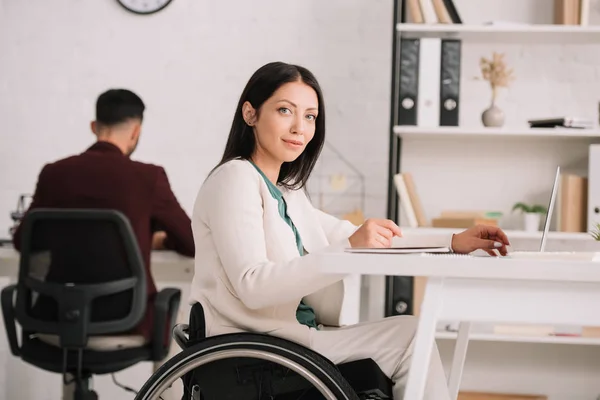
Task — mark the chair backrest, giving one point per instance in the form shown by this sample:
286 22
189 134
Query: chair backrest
81 273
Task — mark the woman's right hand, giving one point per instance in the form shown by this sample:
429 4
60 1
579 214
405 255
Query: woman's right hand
376 233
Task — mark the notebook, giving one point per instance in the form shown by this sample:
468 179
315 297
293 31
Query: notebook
399 250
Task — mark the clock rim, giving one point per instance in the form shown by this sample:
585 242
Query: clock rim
144 12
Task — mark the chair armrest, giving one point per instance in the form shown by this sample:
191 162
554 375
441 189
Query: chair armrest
166 306
8 312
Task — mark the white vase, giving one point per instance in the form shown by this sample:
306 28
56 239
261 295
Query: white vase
493 116
531 222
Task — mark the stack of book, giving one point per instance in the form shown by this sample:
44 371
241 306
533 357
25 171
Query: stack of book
466 219
432 12
415 213
562 122
571 12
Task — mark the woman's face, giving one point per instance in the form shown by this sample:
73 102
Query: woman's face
285 122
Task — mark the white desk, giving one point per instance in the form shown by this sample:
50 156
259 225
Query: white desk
167 266
482 289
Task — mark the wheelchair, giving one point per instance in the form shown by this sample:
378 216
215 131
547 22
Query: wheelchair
255 366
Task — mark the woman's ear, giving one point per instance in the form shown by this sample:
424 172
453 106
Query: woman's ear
249 113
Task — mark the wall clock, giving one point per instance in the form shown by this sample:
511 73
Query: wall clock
144 6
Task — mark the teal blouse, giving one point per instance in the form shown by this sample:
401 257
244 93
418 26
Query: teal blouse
304 313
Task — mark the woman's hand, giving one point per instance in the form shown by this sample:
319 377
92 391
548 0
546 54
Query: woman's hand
375 233
482 237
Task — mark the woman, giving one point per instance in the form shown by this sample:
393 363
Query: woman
257 234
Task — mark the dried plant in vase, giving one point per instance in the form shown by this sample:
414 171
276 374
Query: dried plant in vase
498 75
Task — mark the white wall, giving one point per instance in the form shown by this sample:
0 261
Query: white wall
189 63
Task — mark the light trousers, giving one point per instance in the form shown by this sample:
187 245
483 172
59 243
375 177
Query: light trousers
389 342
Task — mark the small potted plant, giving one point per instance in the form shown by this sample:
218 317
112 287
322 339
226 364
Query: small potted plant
532 215
595 233
496 72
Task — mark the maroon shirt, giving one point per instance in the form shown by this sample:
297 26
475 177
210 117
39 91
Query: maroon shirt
103 177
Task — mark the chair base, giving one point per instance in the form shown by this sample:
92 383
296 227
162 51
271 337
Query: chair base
79 390
85 395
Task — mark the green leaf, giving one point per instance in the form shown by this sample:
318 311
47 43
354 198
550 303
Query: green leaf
521 206
538 209
595 233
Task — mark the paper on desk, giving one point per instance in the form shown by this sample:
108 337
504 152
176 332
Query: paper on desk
398 250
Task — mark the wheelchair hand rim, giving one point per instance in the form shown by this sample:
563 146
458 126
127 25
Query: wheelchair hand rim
179 370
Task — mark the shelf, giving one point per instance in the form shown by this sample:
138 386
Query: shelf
411 131
551 34
490 337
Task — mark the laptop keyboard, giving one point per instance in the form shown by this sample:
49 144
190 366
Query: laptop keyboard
555 255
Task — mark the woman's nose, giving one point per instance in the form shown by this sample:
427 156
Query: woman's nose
299 126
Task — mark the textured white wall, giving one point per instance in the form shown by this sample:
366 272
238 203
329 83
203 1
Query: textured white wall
189 64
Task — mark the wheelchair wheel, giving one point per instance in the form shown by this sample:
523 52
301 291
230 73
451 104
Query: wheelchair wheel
317 370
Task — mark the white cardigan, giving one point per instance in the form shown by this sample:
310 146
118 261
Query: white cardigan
248 274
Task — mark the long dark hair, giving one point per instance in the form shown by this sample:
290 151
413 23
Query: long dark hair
261 86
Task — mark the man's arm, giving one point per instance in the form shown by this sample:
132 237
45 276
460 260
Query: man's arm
36 202
168 214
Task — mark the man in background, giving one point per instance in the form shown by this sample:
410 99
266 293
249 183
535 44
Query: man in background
104 177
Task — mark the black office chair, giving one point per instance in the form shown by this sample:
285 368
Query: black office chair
82 279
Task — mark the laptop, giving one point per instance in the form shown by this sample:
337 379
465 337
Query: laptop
550 211
538 254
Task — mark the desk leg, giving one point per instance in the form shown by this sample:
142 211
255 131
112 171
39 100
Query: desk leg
424 339
458 360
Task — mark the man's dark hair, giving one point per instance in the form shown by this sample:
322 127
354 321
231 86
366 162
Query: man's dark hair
116 106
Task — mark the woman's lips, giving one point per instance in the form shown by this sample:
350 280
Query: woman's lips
294 143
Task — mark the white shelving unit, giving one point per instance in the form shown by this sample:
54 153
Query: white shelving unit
490 337
436 156
503 32
415 132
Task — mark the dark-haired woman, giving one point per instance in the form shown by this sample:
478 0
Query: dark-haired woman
256 235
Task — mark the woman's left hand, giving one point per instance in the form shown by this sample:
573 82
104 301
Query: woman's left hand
482 237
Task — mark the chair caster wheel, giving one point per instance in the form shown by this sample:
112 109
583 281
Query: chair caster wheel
85 395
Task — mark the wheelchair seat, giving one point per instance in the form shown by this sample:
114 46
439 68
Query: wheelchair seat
236 366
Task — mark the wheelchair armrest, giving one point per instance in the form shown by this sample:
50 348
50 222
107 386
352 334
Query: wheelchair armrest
8 312
180 334
166 305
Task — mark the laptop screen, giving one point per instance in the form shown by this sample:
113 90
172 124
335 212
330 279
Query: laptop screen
550 210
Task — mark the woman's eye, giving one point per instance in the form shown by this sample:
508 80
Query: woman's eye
311 117
284 110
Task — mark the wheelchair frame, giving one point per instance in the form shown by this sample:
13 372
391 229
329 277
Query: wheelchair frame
305 374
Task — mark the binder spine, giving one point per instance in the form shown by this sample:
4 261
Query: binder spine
450 82
409 81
